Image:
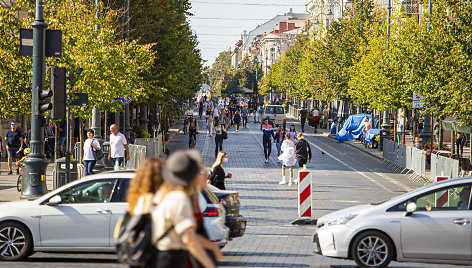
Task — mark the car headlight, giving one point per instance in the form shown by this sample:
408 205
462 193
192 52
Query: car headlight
341 220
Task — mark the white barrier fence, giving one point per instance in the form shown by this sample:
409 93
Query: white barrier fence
137 155
405 159
154 146
444 167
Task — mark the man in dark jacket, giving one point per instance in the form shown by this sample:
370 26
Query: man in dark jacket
302 150
303 115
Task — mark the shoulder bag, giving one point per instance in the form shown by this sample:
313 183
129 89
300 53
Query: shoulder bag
97 154
225 134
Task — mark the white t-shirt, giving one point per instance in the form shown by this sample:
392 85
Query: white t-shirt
216 112
117 145
316 113
88 154
189 113
174 210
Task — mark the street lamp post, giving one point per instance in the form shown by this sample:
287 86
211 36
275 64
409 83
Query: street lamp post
385 132
34 184
426 132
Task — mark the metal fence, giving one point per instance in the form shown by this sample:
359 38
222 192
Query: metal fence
137 155
444 166
405 159
154 146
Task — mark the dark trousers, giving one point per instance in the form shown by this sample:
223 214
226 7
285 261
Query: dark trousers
303 121
219 143
244 121
267 148
172 259
460 146
302 162
192 133
315 124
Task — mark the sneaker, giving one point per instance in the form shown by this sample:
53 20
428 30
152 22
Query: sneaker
290 184
282 182
237 130
267 160
10 172
295 181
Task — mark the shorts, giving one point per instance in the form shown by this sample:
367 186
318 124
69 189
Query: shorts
13 152
302 162
62 141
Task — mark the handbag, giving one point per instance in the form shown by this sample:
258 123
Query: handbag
133 240
97 154
225 134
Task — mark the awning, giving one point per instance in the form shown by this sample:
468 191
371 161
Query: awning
237 90
451 124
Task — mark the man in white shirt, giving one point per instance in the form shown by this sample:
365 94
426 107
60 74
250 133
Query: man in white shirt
118 144
216 113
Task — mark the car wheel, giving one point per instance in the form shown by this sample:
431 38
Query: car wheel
372 249
16 242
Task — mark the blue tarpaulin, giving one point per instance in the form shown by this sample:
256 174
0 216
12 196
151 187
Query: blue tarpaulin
371 133
352 128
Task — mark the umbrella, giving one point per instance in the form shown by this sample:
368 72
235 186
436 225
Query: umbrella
237 89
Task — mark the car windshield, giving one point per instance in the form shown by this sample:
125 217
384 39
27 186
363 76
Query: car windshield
279 110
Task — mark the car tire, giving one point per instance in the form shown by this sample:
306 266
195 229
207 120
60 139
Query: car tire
16 242
372 249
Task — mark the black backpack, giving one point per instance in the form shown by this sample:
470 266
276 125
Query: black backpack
133 240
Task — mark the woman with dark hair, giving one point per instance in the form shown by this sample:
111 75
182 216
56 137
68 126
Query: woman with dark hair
90 145
217 175
237 120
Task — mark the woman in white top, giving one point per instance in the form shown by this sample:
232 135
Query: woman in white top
210 121
90 144
288 158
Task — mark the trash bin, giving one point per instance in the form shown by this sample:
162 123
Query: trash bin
384 134
60 179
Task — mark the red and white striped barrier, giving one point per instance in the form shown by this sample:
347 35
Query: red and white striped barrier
442 197
304 194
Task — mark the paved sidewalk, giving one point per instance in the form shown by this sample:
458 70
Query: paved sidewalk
342 177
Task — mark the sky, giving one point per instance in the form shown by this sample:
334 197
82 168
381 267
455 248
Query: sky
220 23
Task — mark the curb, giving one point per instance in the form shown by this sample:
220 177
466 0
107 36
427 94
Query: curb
175 134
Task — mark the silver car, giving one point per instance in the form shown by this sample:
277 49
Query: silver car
79 217
431 225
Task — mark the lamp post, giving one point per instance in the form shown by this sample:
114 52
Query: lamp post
34 184
385 132
426 132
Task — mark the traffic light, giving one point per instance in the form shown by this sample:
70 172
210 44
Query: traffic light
43 105
58 87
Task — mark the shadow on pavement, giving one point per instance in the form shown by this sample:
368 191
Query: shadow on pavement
261 264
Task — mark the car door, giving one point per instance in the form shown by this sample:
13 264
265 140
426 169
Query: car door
82 219
440 228
118 207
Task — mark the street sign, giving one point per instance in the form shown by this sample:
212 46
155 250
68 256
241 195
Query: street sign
417 102
126 100
53 43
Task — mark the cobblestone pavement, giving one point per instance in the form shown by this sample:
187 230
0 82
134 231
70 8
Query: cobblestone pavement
342 177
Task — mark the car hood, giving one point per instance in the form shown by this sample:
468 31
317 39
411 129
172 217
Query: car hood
344 212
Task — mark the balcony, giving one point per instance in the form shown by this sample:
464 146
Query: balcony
411 7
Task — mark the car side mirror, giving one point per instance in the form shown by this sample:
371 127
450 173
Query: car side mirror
55 200
410 208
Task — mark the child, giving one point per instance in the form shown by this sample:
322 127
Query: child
26 152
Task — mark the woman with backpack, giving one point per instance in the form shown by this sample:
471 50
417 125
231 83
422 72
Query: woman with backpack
174 231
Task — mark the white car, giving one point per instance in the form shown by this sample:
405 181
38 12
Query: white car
78 217
431 224
276 113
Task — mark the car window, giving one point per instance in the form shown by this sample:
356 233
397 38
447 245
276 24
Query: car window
269 110
452 198
210 197
96 191
122 189
279 110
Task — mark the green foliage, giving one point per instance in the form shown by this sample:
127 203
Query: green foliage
219 70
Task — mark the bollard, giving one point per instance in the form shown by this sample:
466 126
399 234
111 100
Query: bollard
305 206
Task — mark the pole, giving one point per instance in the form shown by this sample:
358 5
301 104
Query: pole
34 184
67 175
426 132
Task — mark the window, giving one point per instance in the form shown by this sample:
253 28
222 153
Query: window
122 189
269 110
97 191
451 198
279 110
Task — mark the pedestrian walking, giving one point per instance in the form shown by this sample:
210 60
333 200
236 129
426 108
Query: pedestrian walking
15 144
325 116
118 144
302 151
244 114
303 115
89 160
400 128
210 123
217 175
219 129
216 113
288 158
267 135
293 133
316 118
237 120
208 113
436 130
49 133
192 130
227 118
200 109
173 216
279 138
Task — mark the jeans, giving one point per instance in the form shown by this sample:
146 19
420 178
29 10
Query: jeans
267 148
219 143
278 145
52 143
117 162
303 121
89 165
12 152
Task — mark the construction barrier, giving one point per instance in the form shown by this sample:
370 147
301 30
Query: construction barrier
137 155
444 167
154 146
405 159
304 194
